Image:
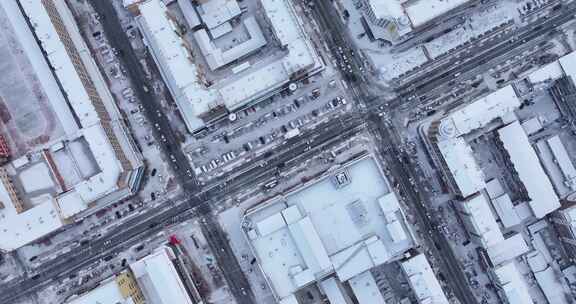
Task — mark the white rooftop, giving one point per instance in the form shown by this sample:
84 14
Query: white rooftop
513 284
460 160
562 159
423 11
185 80
217 12
479 113
508 249
543 198
48 212
387 9
107 292
159 280
82 104
478 217
568 63
216 57
366 289
175 63
423 281
299 236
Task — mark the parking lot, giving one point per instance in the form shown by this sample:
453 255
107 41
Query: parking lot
257 129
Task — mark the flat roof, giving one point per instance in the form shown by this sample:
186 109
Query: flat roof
562 159
158 278
508 249
506 211
568 63
387 9
106 292
479 218
423 281
216 57
479 113
319 236
184 79
513 284
543 198
217 12
456 152
175 63
82 104
460 160
366 289
423 11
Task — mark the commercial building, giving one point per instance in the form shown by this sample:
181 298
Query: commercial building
159 278
339 226
201 100
394 18
83 155
119 289
423 281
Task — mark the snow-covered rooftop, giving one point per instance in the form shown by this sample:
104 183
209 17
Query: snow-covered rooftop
175 63
184 79
348 231
513 284
107 292
478 217
423 281
480 112
216 57
49 210
159 280
456 152
568 63
216 12
423 11
460 160
366 289
543 198
562 160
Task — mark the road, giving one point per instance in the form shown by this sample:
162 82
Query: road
480 58
403 173
170 146
141 226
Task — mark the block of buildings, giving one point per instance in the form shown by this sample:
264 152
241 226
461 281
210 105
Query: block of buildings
339 226
201 100
82 156
451 148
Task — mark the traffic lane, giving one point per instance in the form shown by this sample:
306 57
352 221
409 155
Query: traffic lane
499 47
118 39
152 221
403 174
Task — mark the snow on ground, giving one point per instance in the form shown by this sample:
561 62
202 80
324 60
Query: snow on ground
479 23
393 66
